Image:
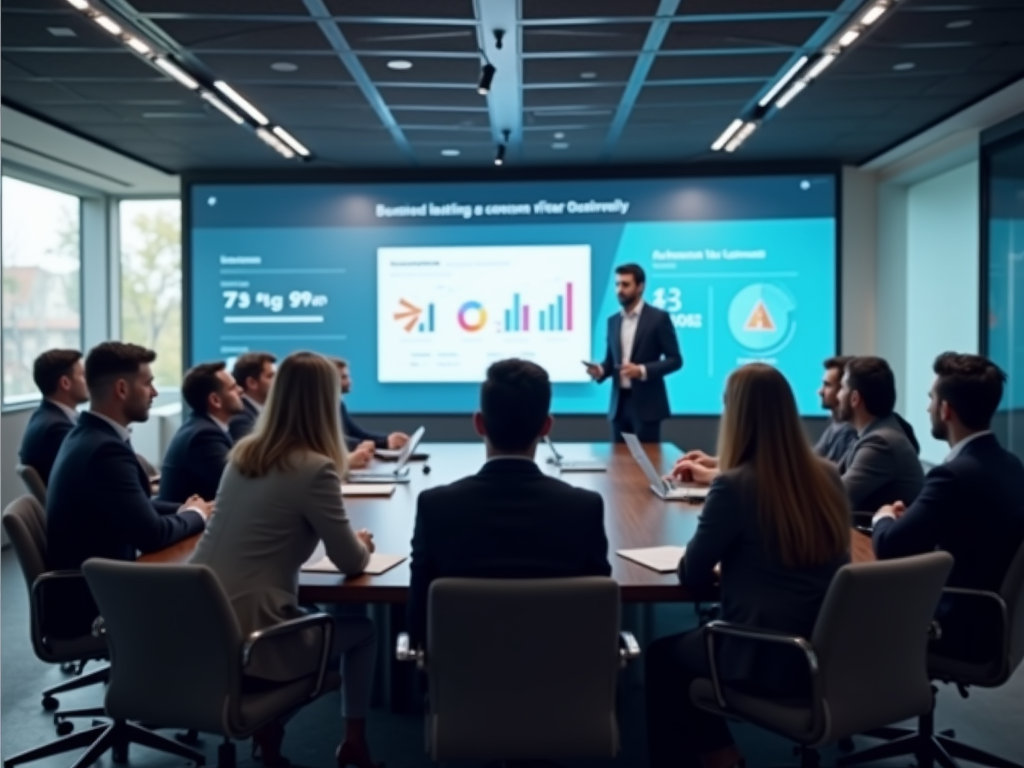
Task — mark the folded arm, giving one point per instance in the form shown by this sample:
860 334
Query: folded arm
921 526
326 513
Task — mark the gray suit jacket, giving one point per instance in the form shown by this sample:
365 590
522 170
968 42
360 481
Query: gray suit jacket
263 530
882 467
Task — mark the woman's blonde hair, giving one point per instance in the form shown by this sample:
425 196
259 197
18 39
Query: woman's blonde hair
301 414
805 509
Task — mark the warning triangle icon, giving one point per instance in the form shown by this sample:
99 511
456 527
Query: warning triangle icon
759 319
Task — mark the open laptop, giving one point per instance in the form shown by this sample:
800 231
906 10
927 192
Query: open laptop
663 489
572 465
397 474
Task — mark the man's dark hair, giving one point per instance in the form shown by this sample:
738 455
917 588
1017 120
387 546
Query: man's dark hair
972 385
199 383
339 362
837 361
514 401
51 366
632 269
250 365
874 380
113 360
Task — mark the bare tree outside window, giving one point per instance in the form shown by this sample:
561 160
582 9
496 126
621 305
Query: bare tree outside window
151 282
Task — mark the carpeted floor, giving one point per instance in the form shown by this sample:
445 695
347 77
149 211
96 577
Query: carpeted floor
992 720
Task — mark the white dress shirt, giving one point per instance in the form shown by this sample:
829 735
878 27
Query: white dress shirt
627 335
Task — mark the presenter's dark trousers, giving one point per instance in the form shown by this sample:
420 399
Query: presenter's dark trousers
626 420
677 730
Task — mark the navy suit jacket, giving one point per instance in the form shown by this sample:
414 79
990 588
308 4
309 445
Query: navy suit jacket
656 347
508 521
195 460
973 508
43 437
354 434
243 423
98 505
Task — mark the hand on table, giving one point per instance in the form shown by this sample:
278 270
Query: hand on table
204 508
361 456
367 538
692 472
699 457
631 371
894 510
396 440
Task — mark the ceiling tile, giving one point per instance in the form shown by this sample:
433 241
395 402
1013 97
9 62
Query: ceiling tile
410 37
117 64
245 35
602 69
585 37
696 67
242 67
385 9
424 70
200 7
740 34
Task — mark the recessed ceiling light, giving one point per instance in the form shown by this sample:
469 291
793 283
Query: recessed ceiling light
588 75
559 135
904 66
560 145
399 64
959 24
284 66
62 31
450 152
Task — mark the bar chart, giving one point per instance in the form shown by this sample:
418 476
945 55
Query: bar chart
555 316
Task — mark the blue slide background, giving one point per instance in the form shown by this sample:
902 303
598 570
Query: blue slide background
317 238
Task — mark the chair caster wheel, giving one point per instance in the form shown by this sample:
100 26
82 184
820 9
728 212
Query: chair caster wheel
846 745
65 727
68 667
191 738
119 754
949 732
50 704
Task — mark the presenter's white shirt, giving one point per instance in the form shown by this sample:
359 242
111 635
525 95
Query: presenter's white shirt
627 335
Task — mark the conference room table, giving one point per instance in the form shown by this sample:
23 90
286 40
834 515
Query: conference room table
634 517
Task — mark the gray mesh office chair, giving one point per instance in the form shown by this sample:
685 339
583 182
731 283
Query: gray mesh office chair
925 743
866 656
32 481
178 658
522 669
24 520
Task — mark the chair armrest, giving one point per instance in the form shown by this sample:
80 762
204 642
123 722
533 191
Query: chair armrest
768 636
43 582
314 620
981 594
629 648
405 652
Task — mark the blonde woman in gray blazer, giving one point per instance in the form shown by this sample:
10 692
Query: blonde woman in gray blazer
280 495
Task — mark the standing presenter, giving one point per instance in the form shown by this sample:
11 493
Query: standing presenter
642 351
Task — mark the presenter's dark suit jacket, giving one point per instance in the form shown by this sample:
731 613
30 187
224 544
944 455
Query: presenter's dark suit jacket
195 460
243 423
757 588
354 434
98 505
656 347
43 437
973 508
508 521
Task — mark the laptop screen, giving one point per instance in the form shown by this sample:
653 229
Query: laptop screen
641 458
410 447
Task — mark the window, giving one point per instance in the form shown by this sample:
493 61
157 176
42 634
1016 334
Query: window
42 290
151 282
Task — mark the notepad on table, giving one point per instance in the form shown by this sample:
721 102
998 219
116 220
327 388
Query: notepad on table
379 563
367 489
661 559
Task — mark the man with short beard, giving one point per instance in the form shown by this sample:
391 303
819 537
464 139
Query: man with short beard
838 436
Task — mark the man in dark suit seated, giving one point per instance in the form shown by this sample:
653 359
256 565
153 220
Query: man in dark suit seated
198 453
355 435
972 505
98 503
60 377
839 435
254 373
508 521
881 466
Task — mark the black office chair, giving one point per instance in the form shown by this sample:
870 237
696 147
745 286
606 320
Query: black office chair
925 743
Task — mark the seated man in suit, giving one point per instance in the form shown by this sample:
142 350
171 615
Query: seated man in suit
355 435
198 453
839 435
881 467
508 521
254 373
972 505
99 504
60 377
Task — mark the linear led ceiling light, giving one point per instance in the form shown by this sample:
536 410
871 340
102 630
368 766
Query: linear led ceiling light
213 101
79 4
291 141
799 76
240 102
177 72
275 142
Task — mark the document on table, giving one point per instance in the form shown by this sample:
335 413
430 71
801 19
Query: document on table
661 559
367 489
379 563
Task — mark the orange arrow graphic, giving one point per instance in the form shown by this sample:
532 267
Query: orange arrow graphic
410 311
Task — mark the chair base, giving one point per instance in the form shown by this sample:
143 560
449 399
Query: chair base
101 675
114 737
927 746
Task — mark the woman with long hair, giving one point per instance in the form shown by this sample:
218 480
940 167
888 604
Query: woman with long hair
776 525
280 495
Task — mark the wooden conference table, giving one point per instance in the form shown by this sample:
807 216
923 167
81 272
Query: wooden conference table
634 517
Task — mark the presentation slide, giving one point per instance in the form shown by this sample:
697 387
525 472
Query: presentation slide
421 286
